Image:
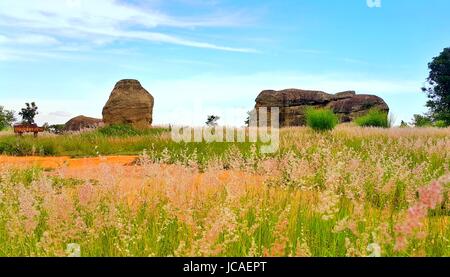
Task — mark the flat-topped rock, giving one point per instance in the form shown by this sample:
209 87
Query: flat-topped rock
293 102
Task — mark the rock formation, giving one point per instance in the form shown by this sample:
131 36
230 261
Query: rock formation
130 103
292 103
82 122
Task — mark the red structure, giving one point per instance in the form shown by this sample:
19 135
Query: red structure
27 128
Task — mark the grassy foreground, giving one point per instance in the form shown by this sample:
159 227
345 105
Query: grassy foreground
116 140
348 192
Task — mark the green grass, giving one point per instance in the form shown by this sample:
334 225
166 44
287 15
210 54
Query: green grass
377 170
119 140
124 130
321 119
273 214
374 118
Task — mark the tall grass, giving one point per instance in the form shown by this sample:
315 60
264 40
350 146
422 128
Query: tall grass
111 140
128 130
350 193
374 118
321 119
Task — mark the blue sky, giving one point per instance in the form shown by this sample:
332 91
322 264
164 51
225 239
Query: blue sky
214 56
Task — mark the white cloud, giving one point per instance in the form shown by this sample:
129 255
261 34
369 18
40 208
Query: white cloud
28 39
190 100
78 107
12 54
60 114
101 20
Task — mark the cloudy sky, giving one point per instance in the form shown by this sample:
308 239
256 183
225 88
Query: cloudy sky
214 56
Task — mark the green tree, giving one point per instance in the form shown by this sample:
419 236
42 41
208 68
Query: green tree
6 118
250 114
441 124
211 121
28 113
421 121
403 124
438 87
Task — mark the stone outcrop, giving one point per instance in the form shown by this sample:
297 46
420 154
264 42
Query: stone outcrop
293 102
130 103
82 122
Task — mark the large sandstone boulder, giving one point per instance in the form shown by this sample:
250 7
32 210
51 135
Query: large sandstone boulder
130 103
82 122
293 102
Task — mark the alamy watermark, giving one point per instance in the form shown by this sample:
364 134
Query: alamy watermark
264 127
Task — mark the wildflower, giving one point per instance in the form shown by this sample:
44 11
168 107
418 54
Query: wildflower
28 210
302 249
328 204
374 249
351 251
86 194
73 250
429 197
400 244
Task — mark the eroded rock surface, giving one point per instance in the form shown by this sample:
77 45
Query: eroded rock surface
293 102
129 103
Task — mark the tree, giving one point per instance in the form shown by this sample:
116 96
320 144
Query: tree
212 120
54 129
247 120
6 118
28 113
438 88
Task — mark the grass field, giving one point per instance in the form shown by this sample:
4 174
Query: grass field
348 192
116 141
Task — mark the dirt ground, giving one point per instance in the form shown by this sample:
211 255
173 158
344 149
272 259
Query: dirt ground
59 162
97 168
119 170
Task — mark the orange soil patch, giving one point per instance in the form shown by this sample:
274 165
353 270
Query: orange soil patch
67 162
121 171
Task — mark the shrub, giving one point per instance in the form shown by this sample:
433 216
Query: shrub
374 118
321 119
441 124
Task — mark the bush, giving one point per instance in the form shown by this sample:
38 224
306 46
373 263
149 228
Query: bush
374 118
321 119
441 124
